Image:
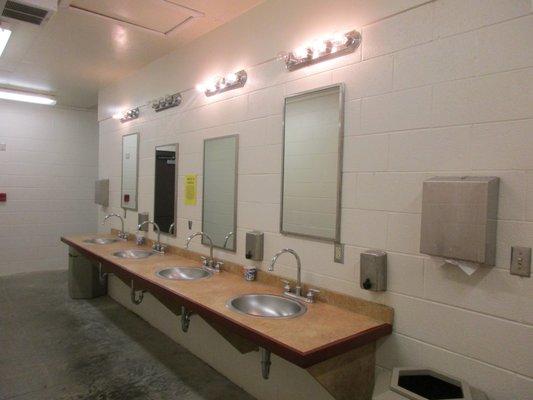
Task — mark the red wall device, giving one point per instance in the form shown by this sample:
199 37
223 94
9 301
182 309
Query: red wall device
3 197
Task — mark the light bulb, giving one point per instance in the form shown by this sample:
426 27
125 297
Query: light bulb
319 46
200 87
211 87
283 56
338 39
231 78
212 83
301 52
118 115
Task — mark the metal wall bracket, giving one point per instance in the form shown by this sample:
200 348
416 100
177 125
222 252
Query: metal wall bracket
185 319
265 362
101 275
137 296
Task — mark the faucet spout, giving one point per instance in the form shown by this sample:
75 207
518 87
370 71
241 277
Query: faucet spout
298 266
122 234
226 238
203 235
157 246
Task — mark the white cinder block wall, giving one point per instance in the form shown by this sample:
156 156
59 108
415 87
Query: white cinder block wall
48 171
442 88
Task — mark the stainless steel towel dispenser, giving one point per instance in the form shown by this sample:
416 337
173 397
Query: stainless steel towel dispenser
459 218
101 192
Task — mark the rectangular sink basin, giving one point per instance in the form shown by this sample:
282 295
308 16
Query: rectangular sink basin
133 254
183 273
266 306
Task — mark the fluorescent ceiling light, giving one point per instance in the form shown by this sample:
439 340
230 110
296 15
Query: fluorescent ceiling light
4 37
28 97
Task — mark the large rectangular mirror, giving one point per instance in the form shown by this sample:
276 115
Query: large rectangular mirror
312 163
130 171
165 199
219 206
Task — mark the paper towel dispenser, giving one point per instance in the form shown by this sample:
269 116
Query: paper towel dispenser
459 218
101 192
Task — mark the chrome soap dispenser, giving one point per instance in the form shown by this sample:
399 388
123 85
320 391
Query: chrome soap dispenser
254 245
373 270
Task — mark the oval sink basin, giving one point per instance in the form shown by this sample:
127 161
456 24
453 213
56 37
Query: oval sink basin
101 240
183 273
133 253
266 305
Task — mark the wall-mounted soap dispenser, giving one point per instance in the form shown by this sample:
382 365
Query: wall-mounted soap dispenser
142 217
254 245
373 270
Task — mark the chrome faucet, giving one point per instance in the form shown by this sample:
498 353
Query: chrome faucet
226 238
157 247
207 263
297 292
122 235
172 228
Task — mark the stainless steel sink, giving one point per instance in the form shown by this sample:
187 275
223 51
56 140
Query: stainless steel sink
100 240
133 253
183 273
266 305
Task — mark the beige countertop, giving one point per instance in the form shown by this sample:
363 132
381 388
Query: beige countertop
323 331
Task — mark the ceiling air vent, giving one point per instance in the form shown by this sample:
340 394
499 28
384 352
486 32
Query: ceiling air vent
35 12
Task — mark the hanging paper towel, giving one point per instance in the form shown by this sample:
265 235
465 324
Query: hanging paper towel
466 266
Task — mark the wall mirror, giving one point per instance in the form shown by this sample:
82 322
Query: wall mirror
130 171
219 205
165 199
312 163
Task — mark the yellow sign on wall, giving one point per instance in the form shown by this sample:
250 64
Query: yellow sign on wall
190 189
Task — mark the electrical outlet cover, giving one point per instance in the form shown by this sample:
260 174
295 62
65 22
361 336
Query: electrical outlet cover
338 253
521 261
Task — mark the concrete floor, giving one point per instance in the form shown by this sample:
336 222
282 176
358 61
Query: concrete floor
52 347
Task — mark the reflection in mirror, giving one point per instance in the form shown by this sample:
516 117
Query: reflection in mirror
165 200
219 206
312 162
130 171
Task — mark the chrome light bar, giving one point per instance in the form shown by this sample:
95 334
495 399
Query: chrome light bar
322 50
127 115
164 103
223 84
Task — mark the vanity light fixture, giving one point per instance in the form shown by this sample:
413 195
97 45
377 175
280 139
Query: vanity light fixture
172 100
223 84
27 97
127 115
322 49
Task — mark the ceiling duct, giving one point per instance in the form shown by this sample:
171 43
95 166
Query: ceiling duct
36 12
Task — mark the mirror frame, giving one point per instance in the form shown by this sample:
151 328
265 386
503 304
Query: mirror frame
136 174
337 237
235 204
176 184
